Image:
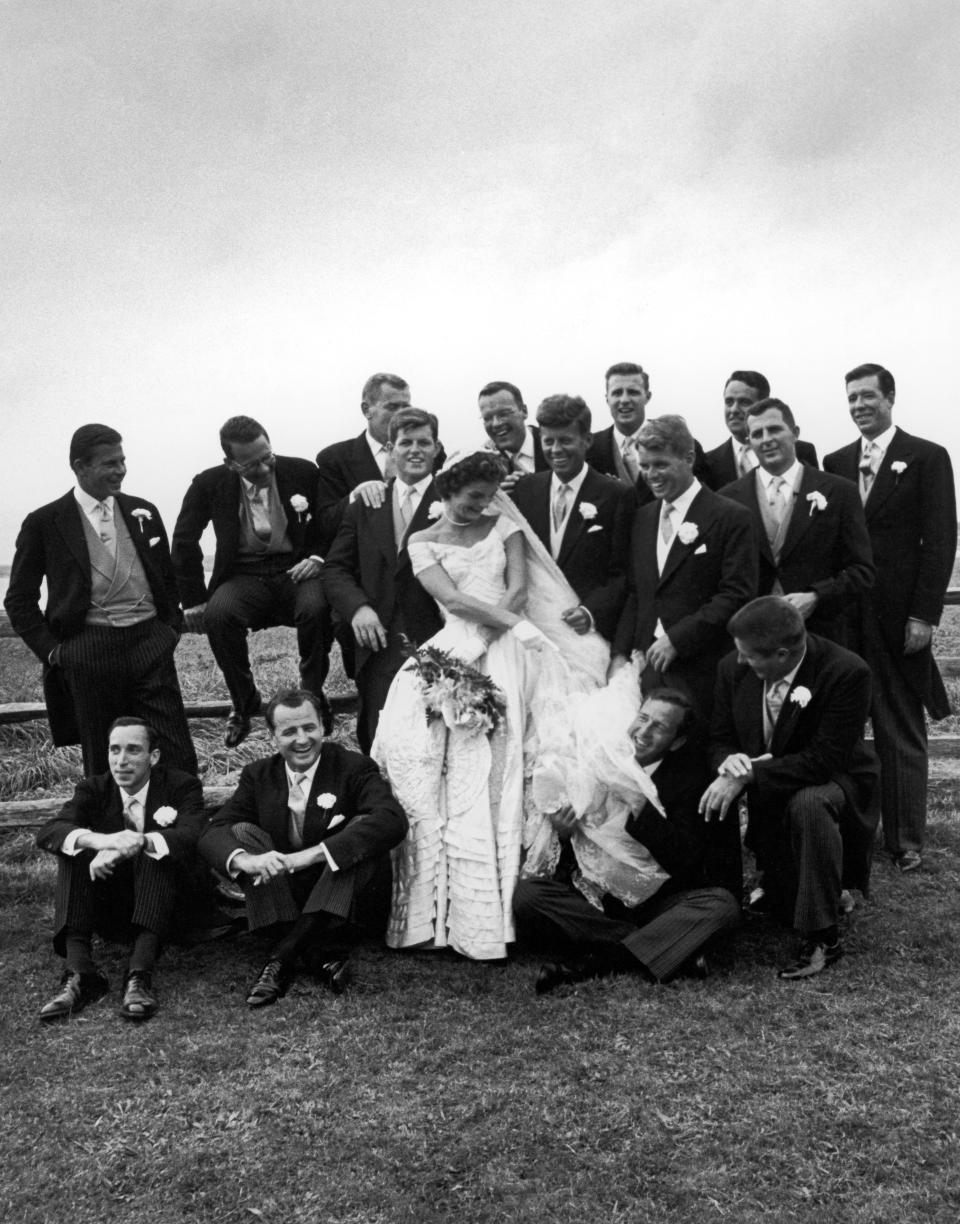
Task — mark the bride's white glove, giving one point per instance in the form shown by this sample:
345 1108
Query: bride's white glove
473 648
530 636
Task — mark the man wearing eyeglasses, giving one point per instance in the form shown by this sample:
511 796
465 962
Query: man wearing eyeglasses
504 417
266 569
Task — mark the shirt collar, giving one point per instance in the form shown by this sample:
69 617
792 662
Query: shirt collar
790 676
308 774
419 488
573 485
89 504
624 440
140 795
376 448
881 441
793 475
682 503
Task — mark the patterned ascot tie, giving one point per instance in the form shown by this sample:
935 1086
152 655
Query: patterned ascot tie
105 528
631 460
868 469
777 498
775 696
133 814
260 514
666 523
746 460
406 507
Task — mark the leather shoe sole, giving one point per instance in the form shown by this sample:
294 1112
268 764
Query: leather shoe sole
76 991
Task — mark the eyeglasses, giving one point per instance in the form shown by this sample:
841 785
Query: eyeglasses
499 418
268 460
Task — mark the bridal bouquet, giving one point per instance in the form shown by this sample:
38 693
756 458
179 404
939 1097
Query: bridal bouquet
453 691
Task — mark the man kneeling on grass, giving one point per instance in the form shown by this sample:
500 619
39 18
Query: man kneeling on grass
307 834
125 843
589 909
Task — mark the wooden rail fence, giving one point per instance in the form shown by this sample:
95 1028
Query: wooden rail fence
30 813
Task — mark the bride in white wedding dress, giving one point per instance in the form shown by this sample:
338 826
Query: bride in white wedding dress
463 789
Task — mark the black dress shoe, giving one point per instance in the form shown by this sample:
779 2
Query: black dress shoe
238 728
697 967
139 1001
76 991
275 977
812 958
336 974
557 973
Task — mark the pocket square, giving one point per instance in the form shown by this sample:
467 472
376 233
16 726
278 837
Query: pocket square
335 820
590 530
701 549
154 541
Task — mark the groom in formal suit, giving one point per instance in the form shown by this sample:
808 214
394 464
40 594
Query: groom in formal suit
906 485
307 833
367 576
580 517
112 621
125 844
266 570
693 563
699 900
735 457
787 729
814 547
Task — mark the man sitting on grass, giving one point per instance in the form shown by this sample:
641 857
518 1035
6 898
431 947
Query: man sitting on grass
124 843
307 834
665 933
787 729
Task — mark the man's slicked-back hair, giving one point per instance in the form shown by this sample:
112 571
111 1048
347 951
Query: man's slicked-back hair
87 438
628 369
412 418
127 720
240 430
750 378
376 382
560 411
768 624
762 406
290 699
667 433
492 388
884 378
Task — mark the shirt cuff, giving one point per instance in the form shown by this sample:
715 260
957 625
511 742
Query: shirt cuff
157 847
331 861
319 560
69 846
589 614
231 871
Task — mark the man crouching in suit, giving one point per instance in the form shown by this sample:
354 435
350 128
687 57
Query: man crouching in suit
581 518
669 930
787 729
307 834
124 843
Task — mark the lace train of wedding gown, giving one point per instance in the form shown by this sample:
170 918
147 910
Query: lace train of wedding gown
463 791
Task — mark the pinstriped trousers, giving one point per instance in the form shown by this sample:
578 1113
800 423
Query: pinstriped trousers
661 934
344 895
142 892
127 672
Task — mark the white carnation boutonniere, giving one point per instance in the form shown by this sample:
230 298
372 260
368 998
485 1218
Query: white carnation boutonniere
435 510
817 501
165 816
898 467
801 696
688 533
140 515
588 511
300 505
326 801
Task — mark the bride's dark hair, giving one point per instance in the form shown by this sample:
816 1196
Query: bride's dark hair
480 467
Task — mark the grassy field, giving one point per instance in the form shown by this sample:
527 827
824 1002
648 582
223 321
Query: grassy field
437 1090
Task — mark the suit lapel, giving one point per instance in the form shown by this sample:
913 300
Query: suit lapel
275 814
380 522
591 490
365 466
421 516
113 809
749 713
138 534
678 550
753 505
317 819
848 461
886 480
792 708
71 529
801 517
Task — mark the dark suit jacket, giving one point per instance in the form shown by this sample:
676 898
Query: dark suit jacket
702 585
593 551
600 456
912 520
214 496
373 820
341 467
362 567
52 545
815 743
721 466
826 551
97 805
695 853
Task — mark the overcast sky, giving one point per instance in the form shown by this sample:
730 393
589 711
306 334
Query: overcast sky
220 207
